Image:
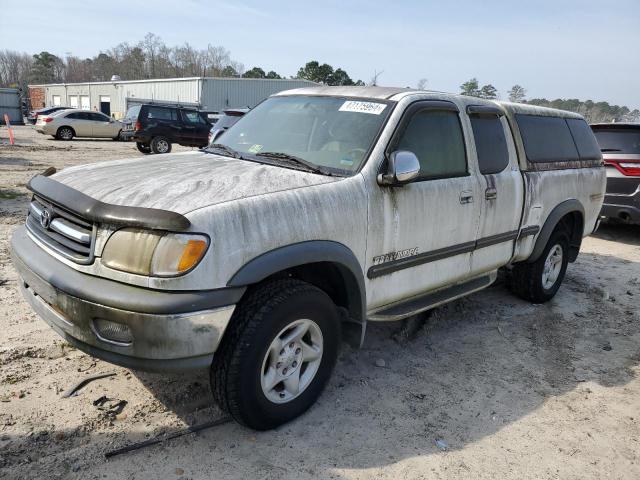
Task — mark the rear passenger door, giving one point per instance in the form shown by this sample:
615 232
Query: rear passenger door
163 121
502 186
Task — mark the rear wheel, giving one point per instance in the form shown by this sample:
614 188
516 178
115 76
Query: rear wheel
143 147
65 133
160 145
277 354
539 281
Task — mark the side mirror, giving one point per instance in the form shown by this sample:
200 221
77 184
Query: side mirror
402 167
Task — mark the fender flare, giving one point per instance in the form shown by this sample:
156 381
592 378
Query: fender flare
562 209
313 251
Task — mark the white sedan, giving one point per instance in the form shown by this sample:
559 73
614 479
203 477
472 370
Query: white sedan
66 124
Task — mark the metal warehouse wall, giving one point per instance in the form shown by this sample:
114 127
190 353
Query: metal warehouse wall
209 93
221 93
10 104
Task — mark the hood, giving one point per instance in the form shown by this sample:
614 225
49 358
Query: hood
182 182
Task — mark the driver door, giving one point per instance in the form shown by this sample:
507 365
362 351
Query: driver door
421 234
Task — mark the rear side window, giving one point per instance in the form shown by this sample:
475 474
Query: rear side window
619 140
159 113
588 148
546 139
437 140
491 144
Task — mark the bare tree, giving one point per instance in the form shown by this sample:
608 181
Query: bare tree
422 84
517 94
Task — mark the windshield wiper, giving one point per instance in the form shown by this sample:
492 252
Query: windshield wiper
296 160
230 151
610 150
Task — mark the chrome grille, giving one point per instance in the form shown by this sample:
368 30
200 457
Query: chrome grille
64 232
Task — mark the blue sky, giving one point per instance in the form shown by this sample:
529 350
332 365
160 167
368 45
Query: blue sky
554 48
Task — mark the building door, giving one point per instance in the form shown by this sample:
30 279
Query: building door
56 100
84 102
105 105
73 101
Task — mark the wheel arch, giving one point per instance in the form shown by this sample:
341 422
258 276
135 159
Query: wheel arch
569 213
329 265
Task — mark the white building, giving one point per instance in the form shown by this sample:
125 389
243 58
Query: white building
207 93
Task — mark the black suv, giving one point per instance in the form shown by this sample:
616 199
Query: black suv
155 127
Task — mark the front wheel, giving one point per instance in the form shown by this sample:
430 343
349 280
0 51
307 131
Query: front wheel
277 354
539 281
160 145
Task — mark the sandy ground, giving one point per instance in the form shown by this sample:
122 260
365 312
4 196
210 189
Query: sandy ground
490 387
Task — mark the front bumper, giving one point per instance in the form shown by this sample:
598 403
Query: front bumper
170 331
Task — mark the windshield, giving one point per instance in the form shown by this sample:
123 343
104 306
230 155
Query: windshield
329 132
619 141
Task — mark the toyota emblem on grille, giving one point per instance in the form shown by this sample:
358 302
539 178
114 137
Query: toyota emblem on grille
45 218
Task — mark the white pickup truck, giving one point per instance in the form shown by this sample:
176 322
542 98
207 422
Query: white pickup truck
322 207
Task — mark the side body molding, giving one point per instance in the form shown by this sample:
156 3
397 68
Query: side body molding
299 254
568 206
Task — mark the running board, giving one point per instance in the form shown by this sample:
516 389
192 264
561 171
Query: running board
423 302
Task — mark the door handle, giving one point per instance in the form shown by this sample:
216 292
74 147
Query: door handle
466 197
490 194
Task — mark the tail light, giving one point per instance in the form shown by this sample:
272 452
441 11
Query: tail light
48 119
629 168
137 126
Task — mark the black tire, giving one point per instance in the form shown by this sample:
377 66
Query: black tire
527 278
160 145
65 133
118 137
237 367
143 147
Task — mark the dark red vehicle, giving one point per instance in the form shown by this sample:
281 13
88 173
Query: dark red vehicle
620 146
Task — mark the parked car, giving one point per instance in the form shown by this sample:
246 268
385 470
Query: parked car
228 118
620 146
155 127
320 210
69 123
32 117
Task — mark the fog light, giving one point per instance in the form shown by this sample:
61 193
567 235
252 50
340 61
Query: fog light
112 332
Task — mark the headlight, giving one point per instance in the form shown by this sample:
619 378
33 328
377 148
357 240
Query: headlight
154 253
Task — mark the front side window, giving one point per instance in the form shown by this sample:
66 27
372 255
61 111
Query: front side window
436 138
491 143
333 133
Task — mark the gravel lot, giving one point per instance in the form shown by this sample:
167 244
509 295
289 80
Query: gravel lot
489 387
